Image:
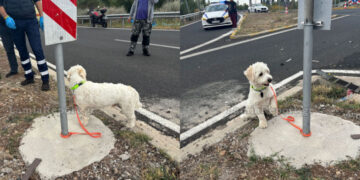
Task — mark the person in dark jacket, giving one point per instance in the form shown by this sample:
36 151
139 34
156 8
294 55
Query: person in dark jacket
8 43
232 12
142 12
20 16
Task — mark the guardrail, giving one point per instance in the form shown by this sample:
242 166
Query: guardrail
188 18
165 18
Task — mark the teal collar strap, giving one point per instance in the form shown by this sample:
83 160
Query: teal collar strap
77 85
258 89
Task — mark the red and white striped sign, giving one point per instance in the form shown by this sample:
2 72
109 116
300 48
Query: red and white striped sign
60 21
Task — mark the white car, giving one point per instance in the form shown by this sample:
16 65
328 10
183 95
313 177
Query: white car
258 8
216 15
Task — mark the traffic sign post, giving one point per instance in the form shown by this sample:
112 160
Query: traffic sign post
60 27
312 14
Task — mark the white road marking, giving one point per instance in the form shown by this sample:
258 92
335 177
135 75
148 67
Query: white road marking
190 24
206 43
211 41
128 29
233 44
151 44
195 130
243 42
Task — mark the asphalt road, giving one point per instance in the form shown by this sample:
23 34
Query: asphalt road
156 78
214 81
193 34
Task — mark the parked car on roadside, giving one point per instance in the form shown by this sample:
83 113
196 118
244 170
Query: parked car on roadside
258 8
216 15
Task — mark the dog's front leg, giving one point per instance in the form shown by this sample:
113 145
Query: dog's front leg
84 115
273 107
262 120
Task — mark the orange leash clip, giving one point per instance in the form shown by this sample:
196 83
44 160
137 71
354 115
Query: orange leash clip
289 119
92 134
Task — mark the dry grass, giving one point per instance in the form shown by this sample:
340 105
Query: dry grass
258 22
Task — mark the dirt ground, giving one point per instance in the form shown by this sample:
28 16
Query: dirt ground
132 158
257 22
228 159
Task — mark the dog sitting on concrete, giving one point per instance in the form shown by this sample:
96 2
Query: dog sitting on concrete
90 96
261 97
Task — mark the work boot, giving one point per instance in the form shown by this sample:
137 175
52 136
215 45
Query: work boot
45 86
130 53
10 74
146 51
27 82
132 49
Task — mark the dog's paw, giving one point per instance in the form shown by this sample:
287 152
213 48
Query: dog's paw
263 124
243 116
130 125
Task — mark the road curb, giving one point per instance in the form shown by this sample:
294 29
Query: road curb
232 36
263 32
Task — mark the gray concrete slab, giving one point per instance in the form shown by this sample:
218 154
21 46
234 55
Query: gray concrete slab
330 141
62 156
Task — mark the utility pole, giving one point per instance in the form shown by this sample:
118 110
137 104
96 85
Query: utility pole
308 55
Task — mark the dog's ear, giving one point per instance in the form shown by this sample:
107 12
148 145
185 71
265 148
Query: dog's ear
249 73
82 73
69 73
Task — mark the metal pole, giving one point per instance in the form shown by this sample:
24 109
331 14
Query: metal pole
61 87
308 53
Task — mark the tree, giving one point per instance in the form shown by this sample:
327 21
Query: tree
88 3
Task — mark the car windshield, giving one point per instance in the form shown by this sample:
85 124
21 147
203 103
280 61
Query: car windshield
258 5
213 8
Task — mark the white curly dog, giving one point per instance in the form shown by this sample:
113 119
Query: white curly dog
261 97
90 96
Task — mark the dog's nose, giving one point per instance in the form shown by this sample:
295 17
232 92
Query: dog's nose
269 80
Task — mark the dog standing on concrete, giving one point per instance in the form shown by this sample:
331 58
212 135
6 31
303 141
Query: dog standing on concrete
90 96
261 97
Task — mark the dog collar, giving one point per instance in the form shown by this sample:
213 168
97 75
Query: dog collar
258 89
77 85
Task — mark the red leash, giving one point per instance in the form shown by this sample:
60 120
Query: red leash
289 119
93 134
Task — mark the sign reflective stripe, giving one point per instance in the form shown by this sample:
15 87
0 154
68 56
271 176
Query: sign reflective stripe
58 15
28 71
44 73
41 62
25 62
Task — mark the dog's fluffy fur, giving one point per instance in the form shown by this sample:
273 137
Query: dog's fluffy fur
91 96
259 76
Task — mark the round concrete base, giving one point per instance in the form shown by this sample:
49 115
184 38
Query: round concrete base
330 141
63 156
